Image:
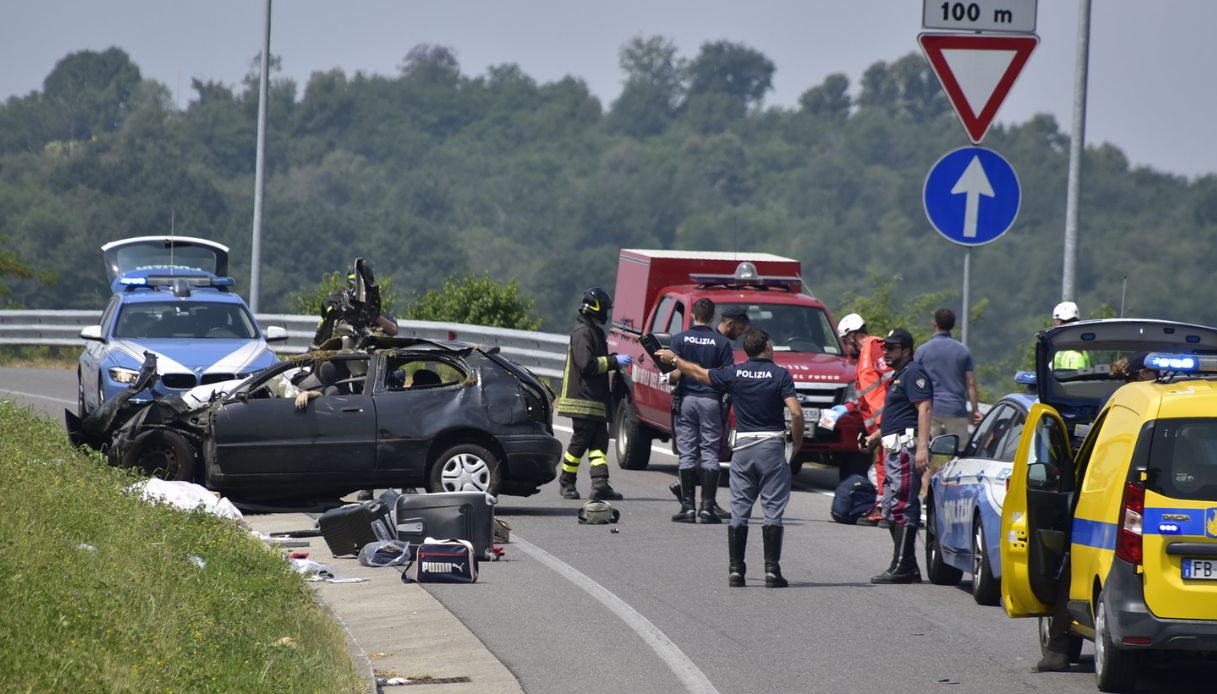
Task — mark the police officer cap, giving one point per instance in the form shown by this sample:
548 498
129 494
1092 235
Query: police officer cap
735 313
899 336
1066 311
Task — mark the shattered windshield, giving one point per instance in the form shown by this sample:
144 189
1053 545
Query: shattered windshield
791 327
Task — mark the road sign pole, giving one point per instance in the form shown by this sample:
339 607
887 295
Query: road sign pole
967 302
1077 145
255 255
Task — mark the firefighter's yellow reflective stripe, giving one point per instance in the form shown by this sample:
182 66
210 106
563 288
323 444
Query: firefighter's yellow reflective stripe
595 458
566 467
602 365
578 406
572 459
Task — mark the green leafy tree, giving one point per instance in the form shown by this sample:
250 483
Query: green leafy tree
653 87
733 69
887 307
831 98
476 300
89 93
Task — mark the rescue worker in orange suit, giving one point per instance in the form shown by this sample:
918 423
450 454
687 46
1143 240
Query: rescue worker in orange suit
586 398
873 375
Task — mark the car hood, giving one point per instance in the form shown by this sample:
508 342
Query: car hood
201 356
1079 394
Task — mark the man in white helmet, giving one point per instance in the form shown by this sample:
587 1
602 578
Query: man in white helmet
1067 312
870 384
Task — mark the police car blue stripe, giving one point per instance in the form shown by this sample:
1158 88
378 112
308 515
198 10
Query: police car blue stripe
1094 533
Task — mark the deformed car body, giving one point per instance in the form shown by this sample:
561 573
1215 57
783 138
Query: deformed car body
399 412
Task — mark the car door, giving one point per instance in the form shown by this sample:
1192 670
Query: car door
652 399
961 482
332 438
1036 514
412 411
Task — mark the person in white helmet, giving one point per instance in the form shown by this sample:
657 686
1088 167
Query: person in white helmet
870 384
1067 312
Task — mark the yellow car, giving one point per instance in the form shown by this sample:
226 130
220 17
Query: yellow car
1131 517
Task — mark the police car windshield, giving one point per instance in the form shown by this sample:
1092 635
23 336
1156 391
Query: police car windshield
185 320
791 327
1183 459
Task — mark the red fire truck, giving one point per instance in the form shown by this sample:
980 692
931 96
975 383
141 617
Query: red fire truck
655 290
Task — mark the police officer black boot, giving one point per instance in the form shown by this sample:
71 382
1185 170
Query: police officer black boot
601 491
687 513
737 542
906 569
772 535
709 488
566 485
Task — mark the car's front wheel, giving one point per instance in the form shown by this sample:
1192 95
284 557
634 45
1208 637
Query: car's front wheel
466 467
986 588
938 570
163 454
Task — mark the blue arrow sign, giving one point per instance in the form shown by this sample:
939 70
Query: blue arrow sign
971 196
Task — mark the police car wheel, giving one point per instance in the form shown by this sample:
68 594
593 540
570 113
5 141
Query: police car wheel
938 571
80 396
1114 669
466 467
986 589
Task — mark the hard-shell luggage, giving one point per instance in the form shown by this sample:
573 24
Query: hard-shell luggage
457 515
348 528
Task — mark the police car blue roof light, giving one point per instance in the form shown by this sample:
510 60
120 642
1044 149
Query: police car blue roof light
1172 362
134 281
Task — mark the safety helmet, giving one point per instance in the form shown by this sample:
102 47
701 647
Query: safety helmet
849 324
596 512
597 304
1065 311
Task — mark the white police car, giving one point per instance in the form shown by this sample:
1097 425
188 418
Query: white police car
171 298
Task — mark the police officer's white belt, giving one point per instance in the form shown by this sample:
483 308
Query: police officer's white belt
738 442
758 434
895 442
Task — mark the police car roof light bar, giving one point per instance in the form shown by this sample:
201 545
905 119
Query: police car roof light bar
1181 363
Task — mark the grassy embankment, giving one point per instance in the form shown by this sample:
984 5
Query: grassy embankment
134 612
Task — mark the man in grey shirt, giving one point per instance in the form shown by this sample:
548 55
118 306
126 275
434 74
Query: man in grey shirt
949 364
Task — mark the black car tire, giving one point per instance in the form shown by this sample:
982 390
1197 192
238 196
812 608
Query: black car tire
80 396
466 467
986 588
163 454
938 570
1115 669
633 439
1075 642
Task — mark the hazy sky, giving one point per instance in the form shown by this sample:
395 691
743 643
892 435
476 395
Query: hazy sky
1152 64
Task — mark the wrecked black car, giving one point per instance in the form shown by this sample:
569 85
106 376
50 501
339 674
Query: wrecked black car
396 412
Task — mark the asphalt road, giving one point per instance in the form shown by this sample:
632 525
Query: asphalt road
647 609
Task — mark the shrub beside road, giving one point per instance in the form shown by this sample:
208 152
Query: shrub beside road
105 592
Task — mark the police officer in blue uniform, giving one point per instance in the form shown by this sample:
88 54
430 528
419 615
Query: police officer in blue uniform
904 435
699 426
759 467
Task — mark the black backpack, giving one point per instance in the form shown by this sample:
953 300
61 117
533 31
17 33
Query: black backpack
853 498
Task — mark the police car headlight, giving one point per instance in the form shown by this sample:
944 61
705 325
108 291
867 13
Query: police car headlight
120 375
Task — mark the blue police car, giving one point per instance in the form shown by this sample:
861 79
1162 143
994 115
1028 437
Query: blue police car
171 297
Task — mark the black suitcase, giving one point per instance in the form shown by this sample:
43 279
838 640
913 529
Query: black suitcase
448 515
348 528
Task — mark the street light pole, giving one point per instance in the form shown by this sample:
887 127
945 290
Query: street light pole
255 268
1077 147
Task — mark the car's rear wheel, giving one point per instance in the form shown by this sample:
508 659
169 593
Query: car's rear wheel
633 439
163 454
1075 642
986 588
466 467
1114 668
937 569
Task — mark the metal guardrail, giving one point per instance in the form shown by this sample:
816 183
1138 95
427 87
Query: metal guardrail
543 353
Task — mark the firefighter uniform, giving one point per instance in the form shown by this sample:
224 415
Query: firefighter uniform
586 399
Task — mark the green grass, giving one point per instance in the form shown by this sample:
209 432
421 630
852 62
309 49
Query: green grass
135 614
40 357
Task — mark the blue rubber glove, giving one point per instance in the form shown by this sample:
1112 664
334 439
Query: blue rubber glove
624 360
840 410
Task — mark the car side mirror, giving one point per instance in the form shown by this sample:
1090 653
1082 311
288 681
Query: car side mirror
92 332
275 333
947 444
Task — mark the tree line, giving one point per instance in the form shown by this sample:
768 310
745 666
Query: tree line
439 175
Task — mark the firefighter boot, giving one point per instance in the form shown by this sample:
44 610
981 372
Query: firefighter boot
566 485
601 491
709 488
687 514
906 569
737 542
772 535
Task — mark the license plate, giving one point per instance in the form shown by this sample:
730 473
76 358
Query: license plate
811 415
1200 569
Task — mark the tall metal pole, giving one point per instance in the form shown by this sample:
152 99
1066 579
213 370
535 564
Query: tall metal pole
1077 145
967 301
255 268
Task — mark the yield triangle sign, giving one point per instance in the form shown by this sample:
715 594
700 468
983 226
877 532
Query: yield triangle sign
977 72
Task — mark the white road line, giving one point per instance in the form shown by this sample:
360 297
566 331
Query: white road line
689 674
36 396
